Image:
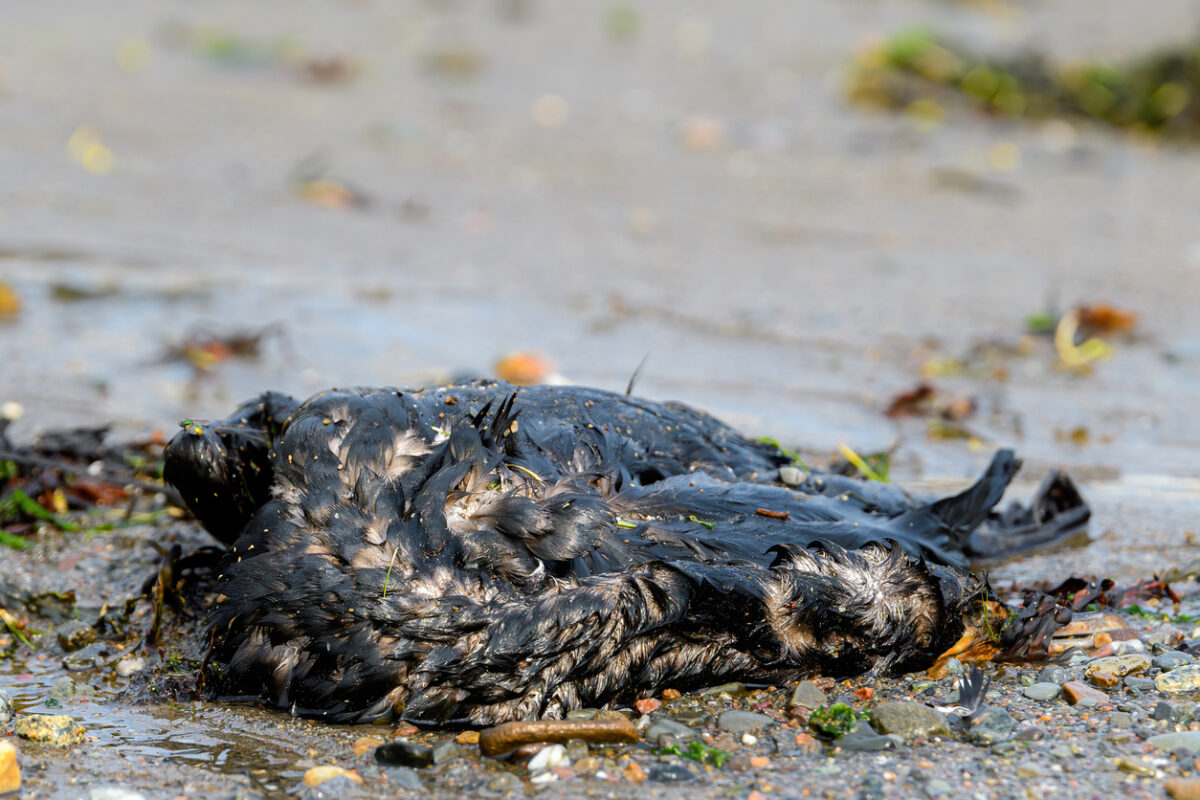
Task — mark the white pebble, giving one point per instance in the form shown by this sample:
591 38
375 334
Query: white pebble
749 739
549 757
127 666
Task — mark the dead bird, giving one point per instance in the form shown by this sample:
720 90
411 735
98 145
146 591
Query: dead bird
472 554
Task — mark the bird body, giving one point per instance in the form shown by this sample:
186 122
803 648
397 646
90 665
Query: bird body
475 553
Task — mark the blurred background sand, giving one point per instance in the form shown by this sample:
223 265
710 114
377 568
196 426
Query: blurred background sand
398 193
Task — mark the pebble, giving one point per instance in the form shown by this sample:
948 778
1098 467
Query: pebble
806 695
908 720
990 725
335 788
692 718
862 738
1077 693
1184 740
1107 672
669 727
1121 719
1055 674
937 788
318 775
1166 636
742 721
734 689
670 773
792 476
7 709
10 771
82 660
587 766
577 749
364 743
75 634
1028 769
114 793
548 758
128 666
447 750
1134 766
505 782
1030 733
404 777
1043 691
1183 788
1171 659
647 705
1181 679
582 713
633 772
404 754
1162 711
1138 684
54 729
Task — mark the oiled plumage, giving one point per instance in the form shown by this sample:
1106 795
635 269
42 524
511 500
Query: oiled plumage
476 553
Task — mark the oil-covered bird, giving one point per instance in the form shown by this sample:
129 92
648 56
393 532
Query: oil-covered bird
475 553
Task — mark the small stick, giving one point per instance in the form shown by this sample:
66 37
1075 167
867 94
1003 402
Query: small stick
509 736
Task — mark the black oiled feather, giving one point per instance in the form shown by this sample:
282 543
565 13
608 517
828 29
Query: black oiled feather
472 554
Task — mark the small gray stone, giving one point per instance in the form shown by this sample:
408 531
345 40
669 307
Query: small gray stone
1126 647
1171 660
1061 751
335 788
743 721
990 725
908 720
954 666
87 658
1181 679
937 788
74 635
665 726
7 709
505 782
1121 719
1162 711
862 738
806 695
670 773
734 689
792 476
1043 691
577 749
1139 684
1184 740
1055 674
447 750
692 718
582 713
404 777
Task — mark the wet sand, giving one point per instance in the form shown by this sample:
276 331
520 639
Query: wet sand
520 175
